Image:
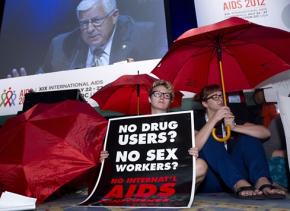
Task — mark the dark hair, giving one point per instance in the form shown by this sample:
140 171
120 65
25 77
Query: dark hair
258 96
206 91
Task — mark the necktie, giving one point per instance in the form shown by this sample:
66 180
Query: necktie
97 57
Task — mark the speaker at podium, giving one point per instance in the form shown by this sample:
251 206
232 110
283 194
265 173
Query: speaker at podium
32 98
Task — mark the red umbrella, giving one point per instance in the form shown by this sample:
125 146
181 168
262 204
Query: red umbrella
129 95
248 54
235 53
49 146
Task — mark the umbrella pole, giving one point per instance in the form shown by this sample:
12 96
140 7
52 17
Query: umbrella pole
228 127
223 82
219 57
138 99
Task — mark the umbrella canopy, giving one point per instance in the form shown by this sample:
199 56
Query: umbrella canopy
49 146
129 95
245 52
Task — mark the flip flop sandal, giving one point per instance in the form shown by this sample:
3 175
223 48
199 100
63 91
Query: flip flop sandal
272 195
251 197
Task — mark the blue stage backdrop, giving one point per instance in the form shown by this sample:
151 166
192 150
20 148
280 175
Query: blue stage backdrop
23 20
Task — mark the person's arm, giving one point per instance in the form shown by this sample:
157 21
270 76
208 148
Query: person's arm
257 131
202 136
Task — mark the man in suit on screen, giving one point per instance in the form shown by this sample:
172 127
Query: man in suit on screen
103 37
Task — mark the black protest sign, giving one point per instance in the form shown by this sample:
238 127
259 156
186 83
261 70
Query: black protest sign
149 164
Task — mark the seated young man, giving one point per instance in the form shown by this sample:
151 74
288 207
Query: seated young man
239 165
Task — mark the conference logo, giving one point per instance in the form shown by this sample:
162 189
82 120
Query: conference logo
8 98
22 94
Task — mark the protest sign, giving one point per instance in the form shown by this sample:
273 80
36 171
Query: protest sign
149 164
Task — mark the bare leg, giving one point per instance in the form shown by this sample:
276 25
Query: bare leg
201 169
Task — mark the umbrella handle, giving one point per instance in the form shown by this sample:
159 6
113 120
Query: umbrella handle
228 127
223 139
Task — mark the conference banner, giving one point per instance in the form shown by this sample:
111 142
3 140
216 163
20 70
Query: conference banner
87 80
148 164
273 13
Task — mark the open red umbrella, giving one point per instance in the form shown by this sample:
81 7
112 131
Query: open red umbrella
49 146
129 95
248 54
235 53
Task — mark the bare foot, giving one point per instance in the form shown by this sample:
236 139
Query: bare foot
248 192
270 190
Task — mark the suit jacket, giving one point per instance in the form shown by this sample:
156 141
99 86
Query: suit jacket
131 40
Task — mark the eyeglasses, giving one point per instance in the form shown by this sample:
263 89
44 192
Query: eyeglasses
162 94
95 21
215 97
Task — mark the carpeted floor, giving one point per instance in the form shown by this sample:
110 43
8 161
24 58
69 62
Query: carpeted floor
202 202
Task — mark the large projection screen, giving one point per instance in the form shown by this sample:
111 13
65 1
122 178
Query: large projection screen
29 26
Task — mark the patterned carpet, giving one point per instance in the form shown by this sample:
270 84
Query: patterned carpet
202 202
